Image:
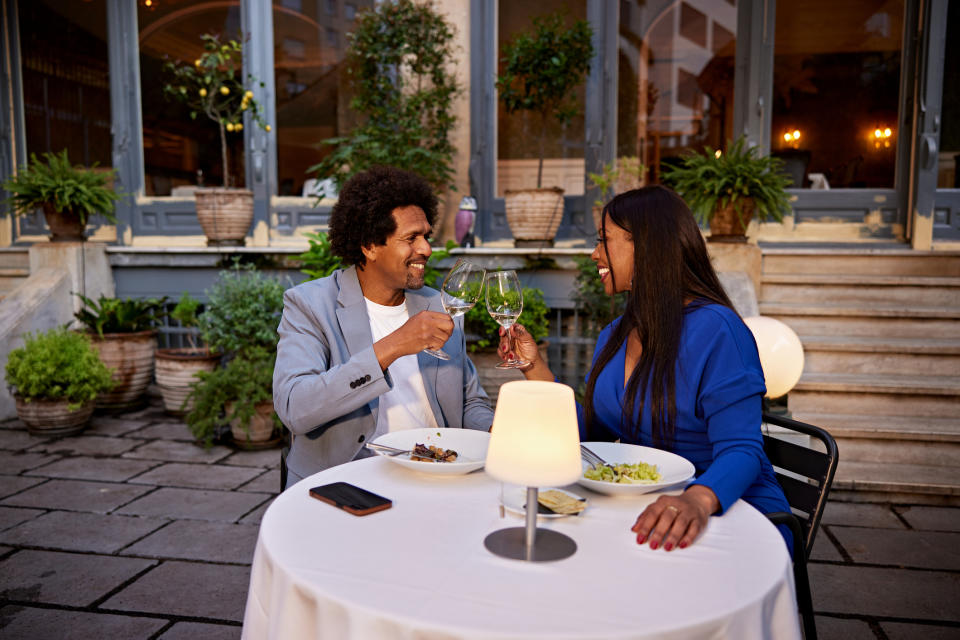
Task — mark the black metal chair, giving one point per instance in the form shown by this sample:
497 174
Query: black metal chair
807 495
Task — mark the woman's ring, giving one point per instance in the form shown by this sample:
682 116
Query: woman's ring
670 506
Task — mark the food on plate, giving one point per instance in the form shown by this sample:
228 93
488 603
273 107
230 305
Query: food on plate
560 502
638 473
423 453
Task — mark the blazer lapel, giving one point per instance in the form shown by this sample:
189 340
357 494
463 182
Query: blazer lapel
354 321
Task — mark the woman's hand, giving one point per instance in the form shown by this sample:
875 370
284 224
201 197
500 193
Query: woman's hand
517 341
676 521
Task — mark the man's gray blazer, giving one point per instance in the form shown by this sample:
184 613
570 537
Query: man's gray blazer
327 381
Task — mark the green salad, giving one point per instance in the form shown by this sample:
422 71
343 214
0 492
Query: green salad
639 473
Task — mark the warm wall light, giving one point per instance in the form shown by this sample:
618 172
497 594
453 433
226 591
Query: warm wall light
792 138
717 154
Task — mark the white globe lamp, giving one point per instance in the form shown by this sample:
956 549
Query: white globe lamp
781 354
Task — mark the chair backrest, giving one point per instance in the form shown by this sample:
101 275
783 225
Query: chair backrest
807 494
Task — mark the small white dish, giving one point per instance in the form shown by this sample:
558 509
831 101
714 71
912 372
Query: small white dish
674 469
470 445
515 500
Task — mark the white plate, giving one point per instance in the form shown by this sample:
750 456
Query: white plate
470 445
514 500
674 469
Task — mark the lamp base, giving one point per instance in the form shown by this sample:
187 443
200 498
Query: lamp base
512 543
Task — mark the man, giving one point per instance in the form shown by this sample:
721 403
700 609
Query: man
349 362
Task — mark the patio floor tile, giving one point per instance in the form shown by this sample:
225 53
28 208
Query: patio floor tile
268 458
72 579
16 440
171 451
86 446
931 518
10 485
77 495
824 549
908 631
255 516
12 516
165 431
80 531
215 592
861 515
31 623
86 468
195 504
914 549
199 540
268 482
901 593
14 463
195 630
843 629
197 476
110 426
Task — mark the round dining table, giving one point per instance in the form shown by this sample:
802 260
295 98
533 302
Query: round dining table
419 570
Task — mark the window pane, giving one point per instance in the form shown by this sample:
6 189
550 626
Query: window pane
836 83
675 74
518 134
66 86
178 151
312 102
947 175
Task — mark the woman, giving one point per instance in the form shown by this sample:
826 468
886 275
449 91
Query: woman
678 370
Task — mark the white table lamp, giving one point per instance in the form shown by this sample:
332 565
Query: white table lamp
534 442
781 354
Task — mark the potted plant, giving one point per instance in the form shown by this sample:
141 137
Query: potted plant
55 378
407 113
123 331
483 338
240 321
728 188
213 87
176 368
540 70
68 195
616 177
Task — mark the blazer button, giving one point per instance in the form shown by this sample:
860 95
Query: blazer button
362 438
367 378
353 384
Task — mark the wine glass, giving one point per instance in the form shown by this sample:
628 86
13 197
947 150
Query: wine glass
460 291
504 303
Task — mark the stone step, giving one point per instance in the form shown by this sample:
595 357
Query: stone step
872 354
864 319
876 395
11 277
14 258
847 425
899 483
894 262
923 291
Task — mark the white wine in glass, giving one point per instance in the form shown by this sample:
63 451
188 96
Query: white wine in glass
460 291
504 304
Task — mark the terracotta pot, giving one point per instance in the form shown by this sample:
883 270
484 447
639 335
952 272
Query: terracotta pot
176 371
225 214
534 215
491 378
258 431
52 417
727 225
65 226
131 356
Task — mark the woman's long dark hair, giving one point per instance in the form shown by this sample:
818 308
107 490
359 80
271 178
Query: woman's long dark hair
670 268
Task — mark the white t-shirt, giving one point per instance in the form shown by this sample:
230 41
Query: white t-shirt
406 405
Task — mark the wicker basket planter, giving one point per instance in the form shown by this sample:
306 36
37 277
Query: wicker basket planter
52 417
727 226
258 434
131 356
175 373
225 215
534 215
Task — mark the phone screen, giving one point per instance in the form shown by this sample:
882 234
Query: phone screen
350 498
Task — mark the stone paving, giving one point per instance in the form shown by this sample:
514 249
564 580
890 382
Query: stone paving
131 531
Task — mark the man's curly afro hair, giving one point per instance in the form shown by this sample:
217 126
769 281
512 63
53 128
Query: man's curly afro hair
362 216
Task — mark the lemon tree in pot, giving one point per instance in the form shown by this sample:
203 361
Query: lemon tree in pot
55 378
212 87
69 196
176 368
728 188
240 321
540 70
616 177
123 331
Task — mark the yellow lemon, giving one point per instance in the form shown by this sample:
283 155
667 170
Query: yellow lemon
267 128
229 126
203 92
197 62
224 90
248 95
238 126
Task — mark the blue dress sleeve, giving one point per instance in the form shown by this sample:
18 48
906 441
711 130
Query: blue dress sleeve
730 403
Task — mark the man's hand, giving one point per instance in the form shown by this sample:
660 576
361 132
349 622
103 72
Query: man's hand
426 330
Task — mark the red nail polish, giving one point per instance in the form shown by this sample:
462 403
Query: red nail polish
641 539
668 546
683 545
653 545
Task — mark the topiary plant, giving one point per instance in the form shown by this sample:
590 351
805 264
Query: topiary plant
57 365
242 312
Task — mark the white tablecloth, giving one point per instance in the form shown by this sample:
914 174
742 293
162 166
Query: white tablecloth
420 570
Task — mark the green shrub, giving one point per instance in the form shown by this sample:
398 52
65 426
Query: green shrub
66 188
185 313
486 332
119 315
58 364
242 312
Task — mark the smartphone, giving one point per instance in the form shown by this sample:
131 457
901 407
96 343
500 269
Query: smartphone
350 498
